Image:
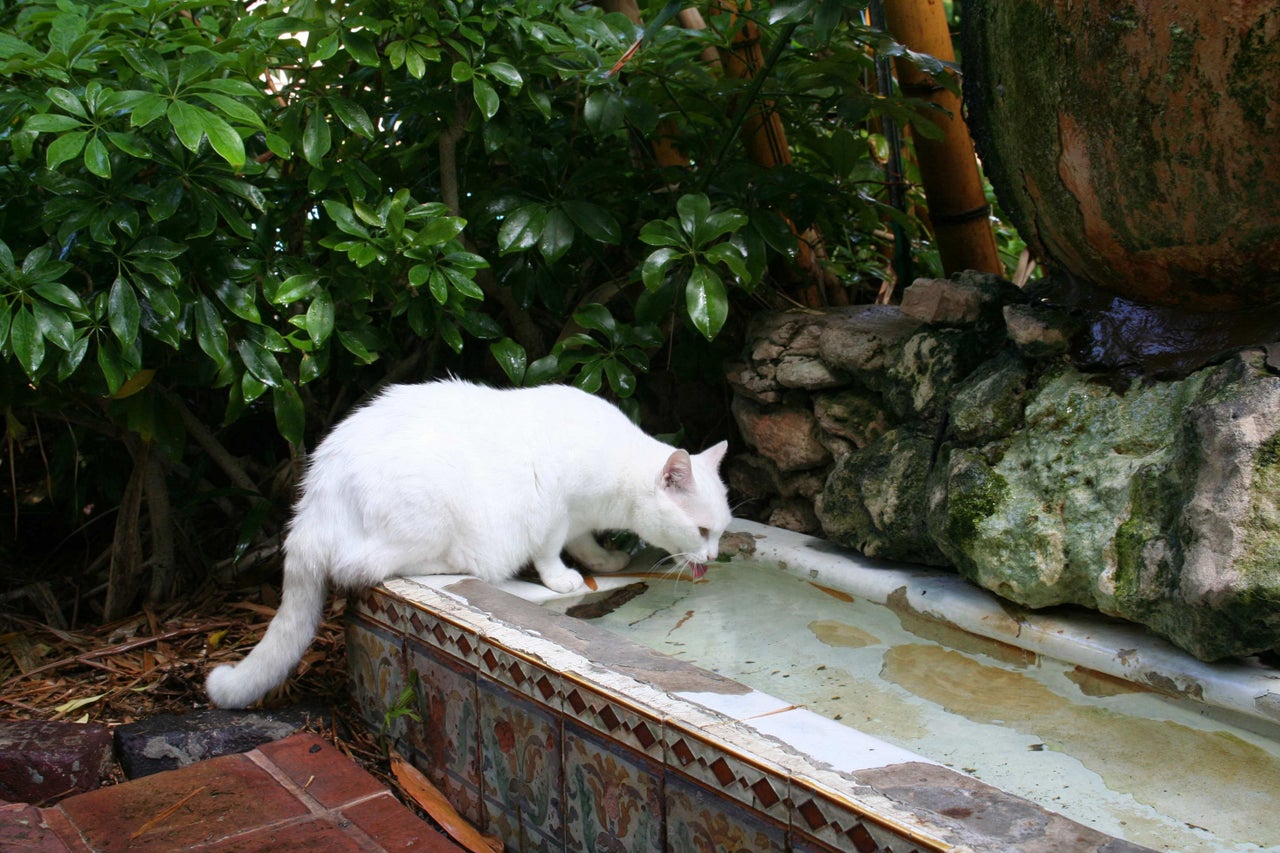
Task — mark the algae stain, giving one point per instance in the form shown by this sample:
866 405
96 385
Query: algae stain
842 635
926 627
870 707
1094 683
1174 769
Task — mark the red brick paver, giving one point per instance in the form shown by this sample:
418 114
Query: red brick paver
296 794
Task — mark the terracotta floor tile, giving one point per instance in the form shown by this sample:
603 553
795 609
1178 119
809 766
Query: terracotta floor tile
170 811
397 828
267 801
319 769
315 835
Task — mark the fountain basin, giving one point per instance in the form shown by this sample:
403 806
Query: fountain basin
805 698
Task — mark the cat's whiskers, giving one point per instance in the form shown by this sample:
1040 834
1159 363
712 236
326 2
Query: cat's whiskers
678 564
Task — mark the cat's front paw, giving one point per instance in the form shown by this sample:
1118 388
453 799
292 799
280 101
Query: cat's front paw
566 580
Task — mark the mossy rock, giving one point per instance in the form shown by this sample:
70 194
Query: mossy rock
874 499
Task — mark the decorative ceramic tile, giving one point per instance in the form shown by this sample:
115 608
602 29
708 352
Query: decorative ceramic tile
523 781
613 720
375 661
706 821
613 796
717 766
521 675
822 822
448 736
455 640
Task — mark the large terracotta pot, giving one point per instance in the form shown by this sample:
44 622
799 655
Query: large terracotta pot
1136 144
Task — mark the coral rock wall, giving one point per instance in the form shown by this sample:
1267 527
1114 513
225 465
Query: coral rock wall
955 430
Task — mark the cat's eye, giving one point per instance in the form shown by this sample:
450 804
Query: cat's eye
704 532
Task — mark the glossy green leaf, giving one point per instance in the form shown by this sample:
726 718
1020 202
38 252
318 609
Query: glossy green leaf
239 300
147 110
52 123
597 318
96 157
59 294
224 139
66 147
557 235
316 139
112 364
693 210
124 313
353 116
294 288
486 97
290 414
505 72
604 112
653 271
706 301
210 333
362 47
26 341
440 230
731 256
260 362
595 221
187 124
512 358
54 325
320 317
621 378
345 218
234 110
522 228
461 71
662 232
67 100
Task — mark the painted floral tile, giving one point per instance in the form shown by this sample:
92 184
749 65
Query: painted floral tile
447 738
521 769
613 796
700 821
375 661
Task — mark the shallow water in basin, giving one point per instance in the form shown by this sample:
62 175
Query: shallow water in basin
1167 773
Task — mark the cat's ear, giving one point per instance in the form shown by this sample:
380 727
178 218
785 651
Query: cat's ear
715 454
678 472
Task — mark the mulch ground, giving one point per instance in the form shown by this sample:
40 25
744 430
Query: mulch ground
155 662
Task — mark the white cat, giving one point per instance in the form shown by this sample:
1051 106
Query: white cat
450 477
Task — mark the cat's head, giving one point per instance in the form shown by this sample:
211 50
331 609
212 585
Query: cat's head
689 510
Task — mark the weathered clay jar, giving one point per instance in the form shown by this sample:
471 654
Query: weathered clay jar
1136 144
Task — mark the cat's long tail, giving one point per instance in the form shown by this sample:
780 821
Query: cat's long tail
287 637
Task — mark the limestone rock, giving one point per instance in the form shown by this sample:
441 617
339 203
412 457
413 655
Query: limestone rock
1160 505
852 415
806 372
1038 331
937 300
988 404
972 440
924 372
874 499
786 435
857 340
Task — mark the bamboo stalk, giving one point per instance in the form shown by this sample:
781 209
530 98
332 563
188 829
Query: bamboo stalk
948 168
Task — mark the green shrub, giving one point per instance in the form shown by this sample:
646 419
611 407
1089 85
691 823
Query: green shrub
215 211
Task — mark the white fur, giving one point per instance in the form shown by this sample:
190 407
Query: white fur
451 477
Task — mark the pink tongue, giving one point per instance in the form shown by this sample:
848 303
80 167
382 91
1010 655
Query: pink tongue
698 569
